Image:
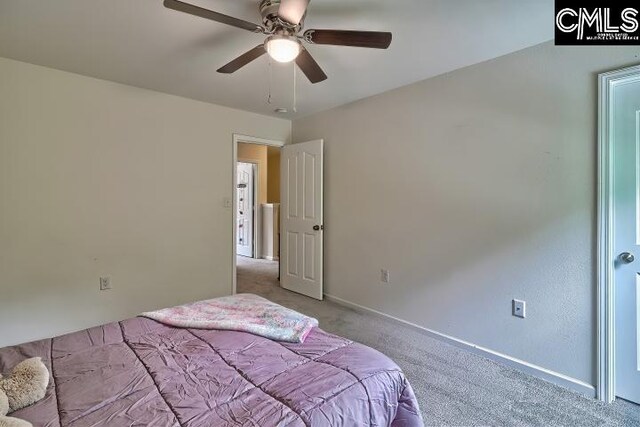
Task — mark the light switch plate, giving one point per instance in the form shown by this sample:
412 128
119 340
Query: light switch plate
384 276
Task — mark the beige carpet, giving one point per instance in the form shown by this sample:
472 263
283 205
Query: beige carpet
454 387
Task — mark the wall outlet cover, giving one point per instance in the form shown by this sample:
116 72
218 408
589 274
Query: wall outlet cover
105 283
519 308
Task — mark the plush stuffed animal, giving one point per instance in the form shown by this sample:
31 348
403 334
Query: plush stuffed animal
13 422
4 402
26 384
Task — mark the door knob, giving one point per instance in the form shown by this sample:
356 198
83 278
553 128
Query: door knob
627 257
316 227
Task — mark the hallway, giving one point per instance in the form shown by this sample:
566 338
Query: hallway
256 272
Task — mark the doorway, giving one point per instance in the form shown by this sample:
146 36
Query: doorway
619 236
256 201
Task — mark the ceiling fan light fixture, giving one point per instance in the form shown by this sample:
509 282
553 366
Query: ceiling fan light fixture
282 23
283 48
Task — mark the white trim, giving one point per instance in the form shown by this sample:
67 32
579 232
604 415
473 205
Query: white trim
606 296
255 140
271 258
234 183
529 368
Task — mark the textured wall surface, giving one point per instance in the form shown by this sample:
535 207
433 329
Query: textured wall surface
98 178
473 188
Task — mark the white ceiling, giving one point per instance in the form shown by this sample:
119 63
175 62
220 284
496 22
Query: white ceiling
140 43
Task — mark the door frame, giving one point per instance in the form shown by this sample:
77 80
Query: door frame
605 276
237 138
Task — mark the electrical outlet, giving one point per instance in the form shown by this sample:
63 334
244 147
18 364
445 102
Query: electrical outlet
384 276
105 283
519 308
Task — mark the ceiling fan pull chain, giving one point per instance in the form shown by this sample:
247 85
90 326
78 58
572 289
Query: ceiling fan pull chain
270 82
295 85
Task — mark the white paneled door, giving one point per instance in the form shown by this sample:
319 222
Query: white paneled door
246 214
625 132
301 234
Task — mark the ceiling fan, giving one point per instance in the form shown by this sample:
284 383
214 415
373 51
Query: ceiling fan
282 22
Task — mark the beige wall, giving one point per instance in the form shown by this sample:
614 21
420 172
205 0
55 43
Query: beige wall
98 178
473 188
273 174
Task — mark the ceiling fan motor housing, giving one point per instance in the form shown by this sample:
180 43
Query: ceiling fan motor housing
271 20
269 9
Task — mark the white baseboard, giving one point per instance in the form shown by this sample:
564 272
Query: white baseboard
271 258
529 368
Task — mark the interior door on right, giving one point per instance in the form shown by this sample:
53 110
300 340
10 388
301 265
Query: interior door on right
625 134
301 218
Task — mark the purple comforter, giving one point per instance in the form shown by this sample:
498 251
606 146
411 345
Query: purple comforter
142 373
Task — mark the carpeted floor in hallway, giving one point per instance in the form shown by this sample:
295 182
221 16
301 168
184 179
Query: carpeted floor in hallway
454 387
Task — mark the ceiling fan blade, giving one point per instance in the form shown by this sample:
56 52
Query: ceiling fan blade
293 11
243 60
214 16
372 39
310 67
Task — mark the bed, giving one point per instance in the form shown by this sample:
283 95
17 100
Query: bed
140 372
